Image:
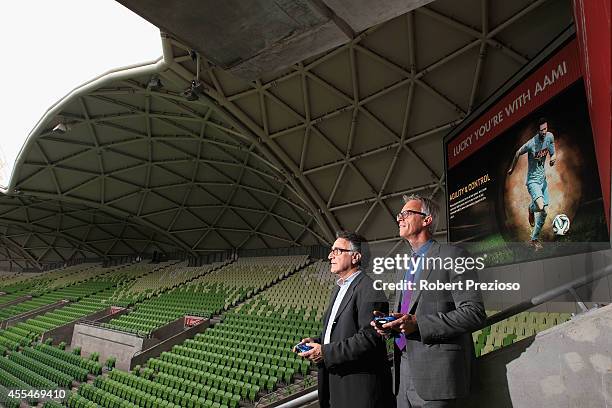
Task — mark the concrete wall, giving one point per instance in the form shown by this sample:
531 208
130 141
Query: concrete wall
107 342
168 343
538 276
64 333
569 365
169 329
130 349
490 383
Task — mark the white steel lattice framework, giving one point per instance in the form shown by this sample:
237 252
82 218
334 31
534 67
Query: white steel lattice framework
331 142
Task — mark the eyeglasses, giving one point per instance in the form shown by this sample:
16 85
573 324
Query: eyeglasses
338 251
406 213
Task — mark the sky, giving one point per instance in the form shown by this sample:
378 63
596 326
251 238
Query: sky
51 47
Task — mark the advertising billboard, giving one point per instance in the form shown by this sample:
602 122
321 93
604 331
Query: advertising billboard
522 177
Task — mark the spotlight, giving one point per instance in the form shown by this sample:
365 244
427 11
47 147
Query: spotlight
155 84
191 93
61 128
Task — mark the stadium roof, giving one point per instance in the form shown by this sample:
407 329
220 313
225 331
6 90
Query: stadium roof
325 142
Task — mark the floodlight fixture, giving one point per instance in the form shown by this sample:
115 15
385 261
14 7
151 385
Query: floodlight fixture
61 128
155 84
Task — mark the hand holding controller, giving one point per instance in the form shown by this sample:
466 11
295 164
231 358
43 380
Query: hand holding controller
301 348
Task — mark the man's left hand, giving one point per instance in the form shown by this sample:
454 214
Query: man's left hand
315 354
405 323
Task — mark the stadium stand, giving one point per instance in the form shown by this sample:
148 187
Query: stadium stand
56 278
314 286
246 355
42 367
215 289
87 298
154 283
238 361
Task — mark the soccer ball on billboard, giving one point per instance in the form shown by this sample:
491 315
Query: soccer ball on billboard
561 224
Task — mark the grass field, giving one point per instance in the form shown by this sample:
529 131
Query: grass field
587 233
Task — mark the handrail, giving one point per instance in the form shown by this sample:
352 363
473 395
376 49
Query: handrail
548 295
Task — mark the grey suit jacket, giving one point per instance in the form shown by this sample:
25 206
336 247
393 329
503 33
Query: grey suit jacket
440 354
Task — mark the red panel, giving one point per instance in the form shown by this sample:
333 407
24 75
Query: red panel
593 30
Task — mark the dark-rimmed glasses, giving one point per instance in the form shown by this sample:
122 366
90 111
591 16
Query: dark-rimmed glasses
338 251
406 213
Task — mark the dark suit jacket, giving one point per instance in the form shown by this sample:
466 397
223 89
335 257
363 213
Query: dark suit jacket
355 371
441 352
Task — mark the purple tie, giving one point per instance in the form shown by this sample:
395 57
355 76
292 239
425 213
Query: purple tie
406 295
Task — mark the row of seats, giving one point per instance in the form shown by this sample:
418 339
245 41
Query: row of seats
71 293
218 376
75 372
226 365
14 337
26 306
68 313
52 404
35 284
96 397
69 277
26 332
43 367
173 389
9 297
96 293
236 388
156 282
7 401
158 311
27 376
50 373
208 295
10 382
313 284
513 329
216 359
92 367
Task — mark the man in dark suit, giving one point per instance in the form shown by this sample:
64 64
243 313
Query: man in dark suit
351 357
434 349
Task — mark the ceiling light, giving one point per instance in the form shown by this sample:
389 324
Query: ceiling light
155 84
61 128
191 93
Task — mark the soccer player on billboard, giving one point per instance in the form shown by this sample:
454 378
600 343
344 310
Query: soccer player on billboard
537 148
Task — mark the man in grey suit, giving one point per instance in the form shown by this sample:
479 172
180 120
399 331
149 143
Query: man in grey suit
434 349
352 359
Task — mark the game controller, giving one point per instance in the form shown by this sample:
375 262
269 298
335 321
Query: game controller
302 348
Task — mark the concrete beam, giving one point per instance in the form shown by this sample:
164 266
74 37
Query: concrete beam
363 14
257 37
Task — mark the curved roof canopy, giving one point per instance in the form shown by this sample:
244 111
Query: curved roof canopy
332 141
